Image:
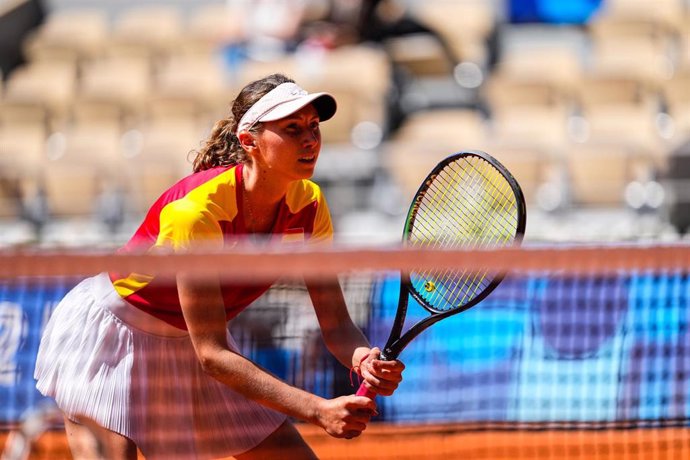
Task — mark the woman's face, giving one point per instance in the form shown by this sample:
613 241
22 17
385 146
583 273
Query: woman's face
290 146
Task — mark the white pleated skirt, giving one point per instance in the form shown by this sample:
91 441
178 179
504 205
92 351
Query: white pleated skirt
104 359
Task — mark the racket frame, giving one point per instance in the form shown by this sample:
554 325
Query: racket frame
397 341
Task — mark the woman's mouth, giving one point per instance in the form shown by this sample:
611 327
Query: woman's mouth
307 159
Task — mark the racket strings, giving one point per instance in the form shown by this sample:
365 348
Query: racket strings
486 221
489 188
477 280
469 203
464 228
477 221
459 287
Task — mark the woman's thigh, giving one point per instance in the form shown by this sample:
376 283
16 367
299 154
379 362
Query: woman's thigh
285 443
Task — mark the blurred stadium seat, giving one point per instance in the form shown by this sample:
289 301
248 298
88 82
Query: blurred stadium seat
464 25
531 167
621 90
83 161
50 83
625 125
426 138
198 79
665 13
558 66
156 152
538 126
445 126
620 110
638 58
149 30
71 34
23 133
210 26
598 173
676 93
684 43
124 82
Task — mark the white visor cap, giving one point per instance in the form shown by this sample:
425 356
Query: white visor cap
283 100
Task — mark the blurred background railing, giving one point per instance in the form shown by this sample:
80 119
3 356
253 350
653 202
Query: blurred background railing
587 102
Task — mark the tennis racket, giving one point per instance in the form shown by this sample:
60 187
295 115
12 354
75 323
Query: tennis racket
468 201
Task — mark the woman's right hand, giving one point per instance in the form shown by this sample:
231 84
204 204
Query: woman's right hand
345 416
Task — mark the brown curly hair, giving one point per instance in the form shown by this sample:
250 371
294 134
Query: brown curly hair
223 148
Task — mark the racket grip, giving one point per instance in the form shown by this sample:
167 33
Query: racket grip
364 391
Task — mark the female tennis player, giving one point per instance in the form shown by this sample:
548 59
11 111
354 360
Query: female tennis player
151 365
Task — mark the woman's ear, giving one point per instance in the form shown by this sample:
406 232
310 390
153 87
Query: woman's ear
247 140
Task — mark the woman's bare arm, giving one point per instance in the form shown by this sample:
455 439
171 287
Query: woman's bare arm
347 342
204 314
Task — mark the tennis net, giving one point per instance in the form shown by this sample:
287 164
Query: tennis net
581 352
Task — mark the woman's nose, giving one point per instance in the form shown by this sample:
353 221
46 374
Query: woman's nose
311 137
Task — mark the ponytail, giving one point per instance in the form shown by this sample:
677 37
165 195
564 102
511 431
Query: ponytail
223 147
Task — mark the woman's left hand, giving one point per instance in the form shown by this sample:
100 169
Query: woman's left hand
381 377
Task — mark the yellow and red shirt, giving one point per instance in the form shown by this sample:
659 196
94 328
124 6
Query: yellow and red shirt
205 208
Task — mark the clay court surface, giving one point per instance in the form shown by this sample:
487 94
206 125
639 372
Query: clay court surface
445 442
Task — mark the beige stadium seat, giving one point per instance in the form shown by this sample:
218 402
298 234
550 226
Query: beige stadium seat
661 13
676 94
683 59
93 137
409 162
23 133
540 78
254 69
196 78
425 139
501 92
24 127
158 152
420 55
606 29
461 128
620 111
537 126
598 90
69 34
210 26
10 203
71 191
556 65
637 57
122 81
84 161
599 173
627 125
51 84
465 25
147 30
530 166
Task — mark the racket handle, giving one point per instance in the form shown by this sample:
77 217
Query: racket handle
364 391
